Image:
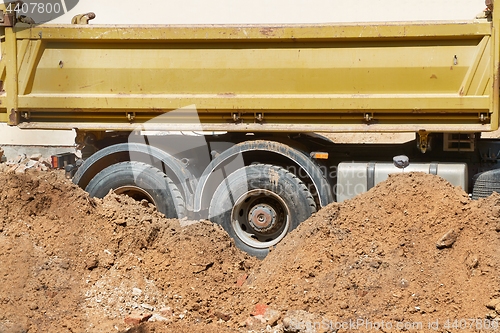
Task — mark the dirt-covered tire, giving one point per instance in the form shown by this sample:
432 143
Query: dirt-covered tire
259 204
139 181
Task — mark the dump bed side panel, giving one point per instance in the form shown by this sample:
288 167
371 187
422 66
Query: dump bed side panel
374 77
3 73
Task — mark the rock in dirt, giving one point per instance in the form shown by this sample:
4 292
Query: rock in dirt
472 261
36 157
135 319
222 315
157 317
136 292
300 321
497 308
261 317
447 240
492 304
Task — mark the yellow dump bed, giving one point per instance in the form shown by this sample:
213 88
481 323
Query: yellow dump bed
432 76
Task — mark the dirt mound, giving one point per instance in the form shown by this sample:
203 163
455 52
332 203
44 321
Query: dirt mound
70 263
413 250
382 257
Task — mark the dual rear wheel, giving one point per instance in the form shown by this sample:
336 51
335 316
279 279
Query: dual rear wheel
257 205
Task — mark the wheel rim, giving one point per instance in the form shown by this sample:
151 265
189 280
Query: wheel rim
260 218
135 193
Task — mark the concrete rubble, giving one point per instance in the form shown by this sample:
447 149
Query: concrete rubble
21 163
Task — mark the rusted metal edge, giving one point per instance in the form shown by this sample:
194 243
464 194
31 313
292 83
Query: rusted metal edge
7 19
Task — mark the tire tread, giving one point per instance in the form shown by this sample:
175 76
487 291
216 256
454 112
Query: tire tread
176 194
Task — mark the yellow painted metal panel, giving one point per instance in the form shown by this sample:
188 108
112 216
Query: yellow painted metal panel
306 104
290 68
28 66
241 33
11 76
402 76
494 88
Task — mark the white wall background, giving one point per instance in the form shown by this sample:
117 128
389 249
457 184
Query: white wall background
246 11
274 11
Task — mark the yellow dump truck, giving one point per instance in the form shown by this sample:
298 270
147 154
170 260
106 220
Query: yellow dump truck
224 122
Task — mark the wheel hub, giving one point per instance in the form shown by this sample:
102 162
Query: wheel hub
262 217
135 193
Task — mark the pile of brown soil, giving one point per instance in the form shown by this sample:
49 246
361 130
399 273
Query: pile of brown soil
70 263
376 259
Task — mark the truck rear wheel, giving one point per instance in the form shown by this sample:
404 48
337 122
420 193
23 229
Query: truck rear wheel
486 183
139 181
259 204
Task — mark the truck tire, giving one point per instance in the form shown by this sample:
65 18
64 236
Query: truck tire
258 205
486 183
139 181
